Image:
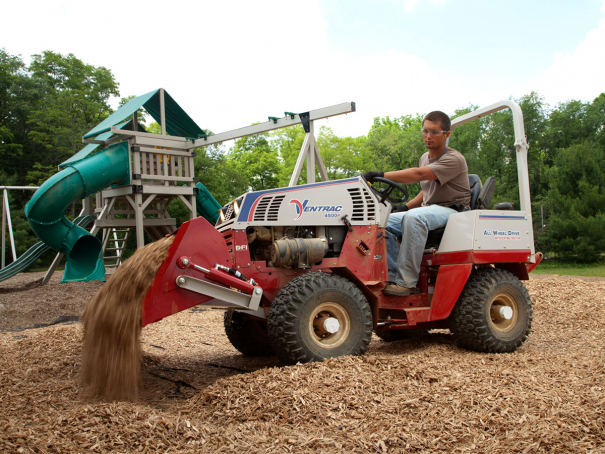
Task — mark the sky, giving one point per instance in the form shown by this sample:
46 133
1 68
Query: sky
230 63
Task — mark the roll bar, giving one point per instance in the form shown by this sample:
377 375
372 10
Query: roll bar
520 144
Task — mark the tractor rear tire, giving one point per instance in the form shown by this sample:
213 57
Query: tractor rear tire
249 336
394 335
477 321
317 316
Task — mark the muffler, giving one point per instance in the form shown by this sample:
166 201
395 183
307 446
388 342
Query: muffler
298 252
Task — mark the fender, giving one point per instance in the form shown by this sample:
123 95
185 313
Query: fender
450 282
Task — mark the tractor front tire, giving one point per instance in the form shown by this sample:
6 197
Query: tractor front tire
493 313
317 316
247 335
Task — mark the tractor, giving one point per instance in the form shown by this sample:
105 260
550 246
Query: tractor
300 270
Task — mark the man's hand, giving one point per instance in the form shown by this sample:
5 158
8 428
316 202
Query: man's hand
371 174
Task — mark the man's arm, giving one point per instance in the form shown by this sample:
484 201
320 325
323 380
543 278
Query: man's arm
415 202
411 175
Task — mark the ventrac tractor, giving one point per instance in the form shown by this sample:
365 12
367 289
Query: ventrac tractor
301 269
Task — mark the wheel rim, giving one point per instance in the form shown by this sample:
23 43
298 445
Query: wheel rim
325 318
504 312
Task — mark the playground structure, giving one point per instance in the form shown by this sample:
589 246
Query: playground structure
134 176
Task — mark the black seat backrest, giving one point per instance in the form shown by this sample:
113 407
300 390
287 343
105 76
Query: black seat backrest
476 186
485 198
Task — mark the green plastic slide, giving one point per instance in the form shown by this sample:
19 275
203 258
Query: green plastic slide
206 205
45 211
36 251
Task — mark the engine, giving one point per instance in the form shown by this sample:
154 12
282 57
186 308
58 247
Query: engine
297 227
294 247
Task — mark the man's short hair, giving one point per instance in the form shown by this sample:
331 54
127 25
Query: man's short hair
439 117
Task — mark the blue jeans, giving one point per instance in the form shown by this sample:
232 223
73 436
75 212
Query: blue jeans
413 226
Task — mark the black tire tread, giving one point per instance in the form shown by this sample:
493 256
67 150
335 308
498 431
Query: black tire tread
286 308
468 323
246 337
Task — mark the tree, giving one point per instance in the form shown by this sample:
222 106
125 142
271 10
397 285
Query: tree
396 144
594 123
343 157
256 161
288 142
75 99
577 201
214 171
11 67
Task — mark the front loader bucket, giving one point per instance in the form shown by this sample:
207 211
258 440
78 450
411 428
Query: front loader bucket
205 246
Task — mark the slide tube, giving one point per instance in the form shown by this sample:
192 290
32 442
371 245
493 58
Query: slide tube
206 204
45 211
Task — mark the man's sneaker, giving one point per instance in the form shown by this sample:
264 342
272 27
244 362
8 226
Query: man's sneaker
399 290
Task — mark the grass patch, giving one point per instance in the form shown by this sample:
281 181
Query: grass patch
570 269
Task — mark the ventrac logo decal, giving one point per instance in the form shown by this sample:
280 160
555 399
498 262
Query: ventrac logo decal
330 211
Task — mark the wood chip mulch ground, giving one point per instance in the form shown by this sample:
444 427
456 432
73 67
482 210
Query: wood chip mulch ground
422 395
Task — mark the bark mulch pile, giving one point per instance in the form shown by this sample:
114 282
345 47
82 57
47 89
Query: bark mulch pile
421 395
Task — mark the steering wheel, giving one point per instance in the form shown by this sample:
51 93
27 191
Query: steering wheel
385 193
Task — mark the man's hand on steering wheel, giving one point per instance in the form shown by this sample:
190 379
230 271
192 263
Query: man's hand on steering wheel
385 194
371 174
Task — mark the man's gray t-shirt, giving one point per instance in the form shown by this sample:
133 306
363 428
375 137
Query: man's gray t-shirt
451 185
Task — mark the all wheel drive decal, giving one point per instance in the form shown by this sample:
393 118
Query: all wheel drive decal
503 234
247 211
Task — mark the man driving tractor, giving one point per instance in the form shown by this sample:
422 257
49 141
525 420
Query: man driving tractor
443 176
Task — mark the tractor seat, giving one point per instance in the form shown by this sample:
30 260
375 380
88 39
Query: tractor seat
481 197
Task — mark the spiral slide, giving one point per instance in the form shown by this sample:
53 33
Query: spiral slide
78 180
36 251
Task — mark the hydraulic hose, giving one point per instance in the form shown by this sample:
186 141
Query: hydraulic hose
45 212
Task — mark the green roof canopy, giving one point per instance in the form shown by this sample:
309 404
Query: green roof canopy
178 123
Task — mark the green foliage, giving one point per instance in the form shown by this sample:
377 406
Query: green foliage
220 178
154 128
39 174
75 97
255 160
343 157
47 107
11 68
288 142
594 123
577 201
142 115
563 268
178 211
396 144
